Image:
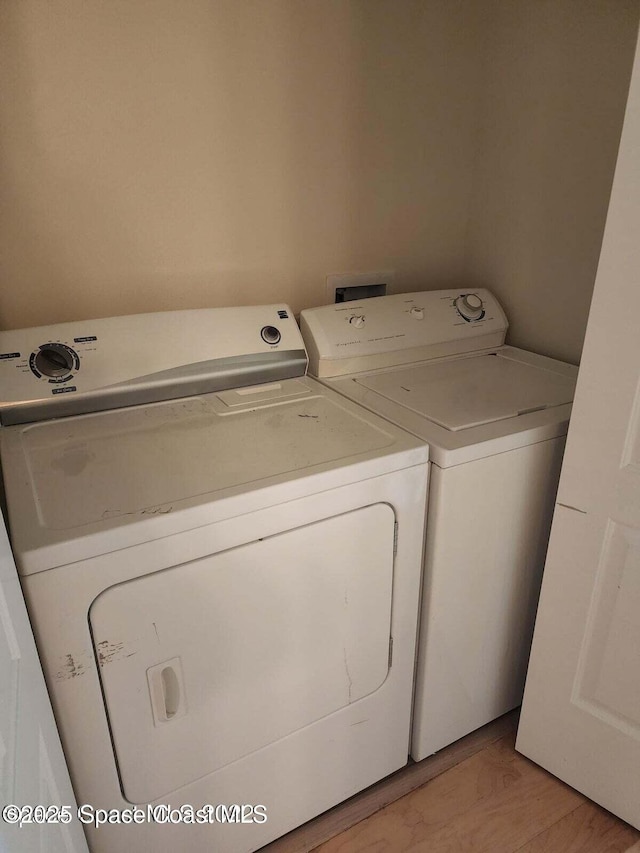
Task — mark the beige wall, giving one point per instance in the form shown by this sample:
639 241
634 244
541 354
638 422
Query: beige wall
167 154
162 154
553 98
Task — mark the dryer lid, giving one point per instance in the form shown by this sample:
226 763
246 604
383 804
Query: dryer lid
147 460
469 392
84 486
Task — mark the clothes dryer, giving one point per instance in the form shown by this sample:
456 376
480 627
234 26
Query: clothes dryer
221 560
495 418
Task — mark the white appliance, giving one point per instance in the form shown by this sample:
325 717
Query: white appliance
224 587
495 419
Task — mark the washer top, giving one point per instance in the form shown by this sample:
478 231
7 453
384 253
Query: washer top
463 393
435 363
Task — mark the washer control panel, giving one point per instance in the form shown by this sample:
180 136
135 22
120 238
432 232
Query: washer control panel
117 361
386 330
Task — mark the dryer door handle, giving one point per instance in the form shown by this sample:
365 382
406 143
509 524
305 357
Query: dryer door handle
166 691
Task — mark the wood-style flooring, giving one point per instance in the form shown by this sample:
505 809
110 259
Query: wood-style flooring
478 796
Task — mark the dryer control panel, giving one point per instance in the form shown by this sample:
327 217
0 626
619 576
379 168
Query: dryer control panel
398 329
91 365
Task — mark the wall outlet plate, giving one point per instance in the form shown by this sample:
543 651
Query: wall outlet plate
344 287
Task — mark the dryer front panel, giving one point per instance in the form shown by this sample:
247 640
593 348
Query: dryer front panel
204 663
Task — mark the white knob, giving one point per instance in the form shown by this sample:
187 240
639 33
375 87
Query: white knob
357 320
417 313
473 301
470 306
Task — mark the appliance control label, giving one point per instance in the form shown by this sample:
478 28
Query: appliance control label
9 355
85 340
64 389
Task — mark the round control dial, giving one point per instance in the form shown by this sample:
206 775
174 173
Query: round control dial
470 306
357 320
270 335
55 360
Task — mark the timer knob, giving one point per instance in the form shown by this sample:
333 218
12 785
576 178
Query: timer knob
357 320
417 313
470 306
54 360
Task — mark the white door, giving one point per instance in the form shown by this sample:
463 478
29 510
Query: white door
32 767
297 625
581 710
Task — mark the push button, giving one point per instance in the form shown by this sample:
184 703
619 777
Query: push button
270 335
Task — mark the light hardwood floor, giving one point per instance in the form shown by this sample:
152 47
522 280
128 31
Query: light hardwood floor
481 797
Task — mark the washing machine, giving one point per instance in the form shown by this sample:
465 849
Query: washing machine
495 418
221 559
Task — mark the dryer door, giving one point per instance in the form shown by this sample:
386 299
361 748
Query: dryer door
206 662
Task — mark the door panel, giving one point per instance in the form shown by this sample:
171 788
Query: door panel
612 636
570 724
204 663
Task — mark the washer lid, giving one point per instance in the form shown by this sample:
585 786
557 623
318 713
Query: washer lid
469 392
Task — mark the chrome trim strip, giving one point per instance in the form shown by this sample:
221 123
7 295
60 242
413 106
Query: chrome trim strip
204 377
